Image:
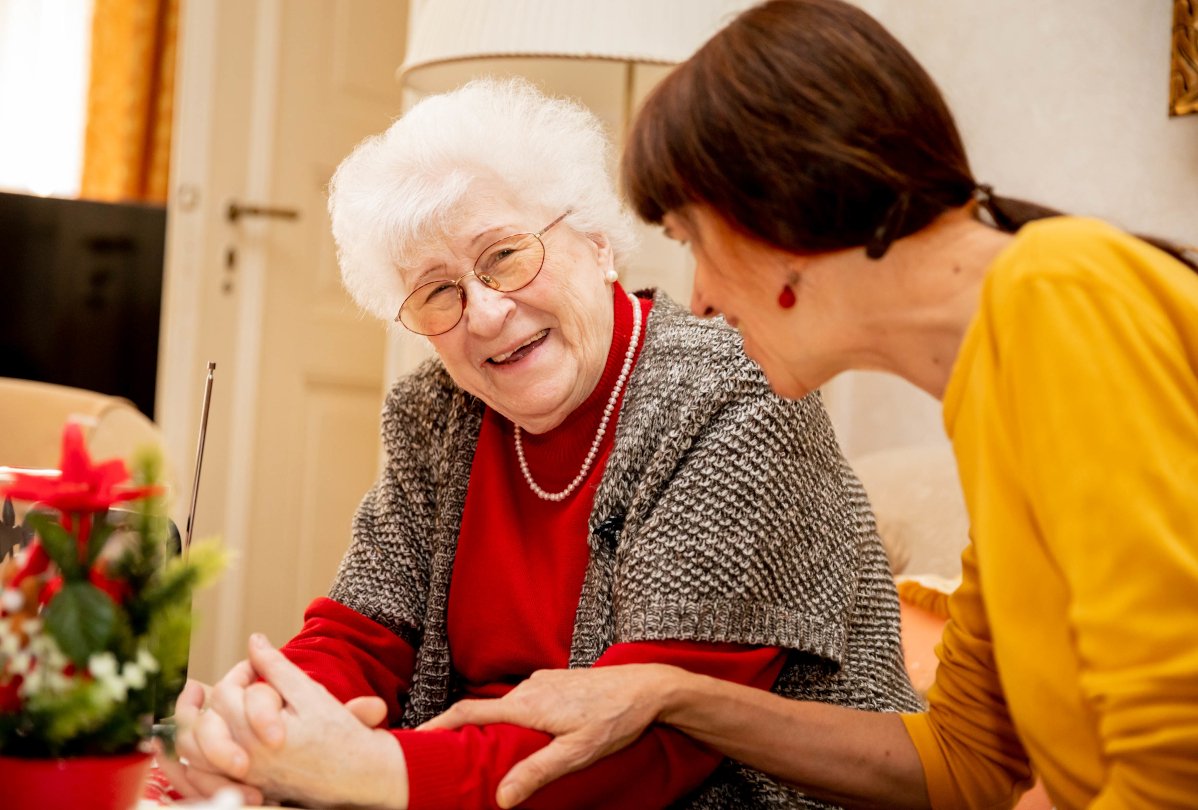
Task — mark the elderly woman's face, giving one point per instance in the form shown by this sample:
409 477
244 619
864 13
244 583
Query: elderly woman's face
534 355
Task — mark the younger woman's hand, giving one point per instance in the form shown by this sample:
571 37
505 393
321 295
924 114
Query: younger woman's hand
590 712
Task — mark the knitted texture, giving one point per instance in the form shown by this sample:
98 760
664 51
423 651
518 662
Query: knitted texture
724 514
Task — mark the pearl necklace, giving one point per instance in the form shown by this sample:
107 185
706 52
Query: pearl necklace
607 412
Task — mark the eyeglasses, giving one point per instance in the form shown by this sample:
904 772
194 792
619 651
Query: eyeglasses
508 265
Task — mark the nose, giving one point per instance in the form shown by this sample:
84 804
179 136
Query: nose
486 309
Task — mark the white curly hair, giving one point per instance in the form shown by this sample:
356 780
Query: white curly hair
400 190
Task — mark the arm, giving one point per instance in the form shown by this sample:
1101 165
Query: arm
463 768
856 758
352 656
1109 442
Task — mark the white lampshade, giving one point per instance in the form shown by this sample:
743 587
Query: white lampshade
585 49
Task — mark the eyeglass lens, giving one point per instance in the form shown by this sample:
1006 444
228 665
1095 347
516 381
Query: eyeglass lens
506 266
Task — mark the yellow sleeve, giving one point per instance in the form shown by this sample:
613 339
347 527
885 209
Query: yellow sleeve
1104 407
970 753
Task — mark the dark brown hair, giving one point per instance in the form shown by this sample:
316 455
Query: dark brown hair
805 124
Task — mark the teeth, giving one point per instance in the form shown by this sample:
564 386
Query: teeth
499 358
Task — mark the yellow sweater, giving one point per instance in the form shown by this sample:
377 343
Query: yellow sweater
1073 639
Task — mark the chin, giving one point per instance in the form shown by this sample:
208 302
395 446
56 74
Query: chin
787 387
532 413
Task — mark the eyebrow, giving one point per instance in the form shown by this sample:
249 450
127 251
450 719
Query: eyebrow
427 273
494 229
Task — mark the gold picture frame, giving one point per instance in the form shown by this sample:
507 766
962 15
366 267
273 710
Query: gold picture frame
1183 62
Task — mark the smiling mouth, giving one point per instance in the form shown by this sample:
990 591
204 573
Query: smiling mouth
520 351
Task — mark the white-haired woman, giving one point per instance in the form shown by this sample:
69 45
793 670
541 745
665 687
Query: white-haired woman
582 477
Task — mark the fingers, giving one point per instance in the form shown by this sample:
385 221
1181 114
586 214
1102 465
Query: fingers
194 783
472 713
531 774
371 711
175 772
284 676
213 748
190 701
264 713
192 720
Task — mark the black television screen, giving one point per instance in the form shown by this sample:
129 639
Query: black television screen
81 294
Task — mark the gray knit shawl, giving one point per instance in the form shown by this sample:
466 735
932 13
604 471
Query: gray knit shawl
724 514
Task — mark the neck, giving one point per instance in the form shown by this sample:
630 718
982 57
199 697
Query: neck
922 296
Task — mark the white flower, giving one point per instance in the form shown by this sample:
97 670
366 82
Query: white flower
11 600
146 661
29 686
116 688
21 663
54 658
10 642
102 665
133 675
32 627
58 682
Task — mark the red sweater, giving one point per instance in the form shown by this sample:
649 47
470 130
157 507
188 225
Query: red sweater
517 577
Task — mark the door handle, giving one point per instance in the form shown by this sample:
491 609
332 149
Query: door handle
238 210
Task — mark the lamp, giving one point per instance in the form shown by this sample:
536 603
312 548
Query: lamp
605 53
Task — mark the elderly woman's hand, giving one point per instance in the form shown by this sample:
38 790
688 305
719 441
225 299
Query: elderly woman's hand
300 742
193 774
590 712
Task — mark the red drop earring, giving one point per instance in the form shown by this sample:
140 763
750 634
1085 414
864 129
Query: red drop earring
786 298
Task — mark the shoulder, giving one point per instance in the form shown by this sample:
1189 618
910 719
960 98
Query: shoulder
1069 249
694 356
425 403
694 377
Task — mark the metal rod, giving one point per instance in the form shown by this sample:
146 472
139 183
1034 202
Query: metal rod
195 482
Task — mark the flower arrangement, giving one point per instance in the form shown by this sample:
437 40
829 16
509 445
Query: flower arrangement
95 612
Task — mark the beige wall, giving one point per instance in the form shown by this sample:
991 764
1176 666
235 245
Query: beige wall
1062 102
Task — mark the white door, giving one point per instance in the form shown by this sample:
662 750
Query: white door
271 95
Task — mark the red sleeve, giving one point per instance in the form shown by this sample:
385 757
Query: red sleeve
352 656
463 767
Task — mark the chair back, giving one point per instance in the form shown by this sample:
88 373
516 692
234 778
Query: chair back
32 415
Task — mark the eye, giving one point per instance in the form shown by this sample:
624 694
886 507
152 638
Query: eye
504 262
437 292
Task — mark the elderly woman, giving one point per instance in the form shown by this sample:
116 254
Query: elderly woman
582 477
818 176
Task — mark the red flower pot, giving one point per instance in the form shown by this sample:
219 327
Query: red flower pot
97 783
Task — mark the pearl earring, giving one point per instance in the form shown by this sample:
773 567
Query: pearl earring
611 276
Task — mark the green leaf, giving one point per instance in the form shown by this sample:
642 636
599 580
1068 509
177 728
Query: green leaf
81 618
101 531
58 543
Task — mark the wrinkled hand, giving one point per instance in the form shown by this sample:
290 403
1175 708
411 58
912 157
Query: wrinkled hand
193 774
298 741
590 712
209 758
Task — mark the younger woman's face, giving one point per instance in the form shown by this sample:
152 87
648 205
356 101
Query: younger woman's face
740 277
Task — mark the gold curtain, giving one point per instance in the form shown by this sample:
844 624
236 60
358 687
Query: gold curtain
126 153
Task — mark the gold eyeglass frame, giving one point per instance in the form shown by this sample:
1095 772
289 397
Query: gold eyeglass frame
483 277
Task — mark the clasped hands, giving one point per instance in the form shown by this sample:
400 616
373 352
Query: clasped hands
283 737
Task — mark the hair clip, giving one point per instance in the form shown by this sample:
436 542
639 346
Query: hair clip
888 230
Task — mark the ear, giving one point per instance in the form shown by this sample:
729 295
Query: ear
604 255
